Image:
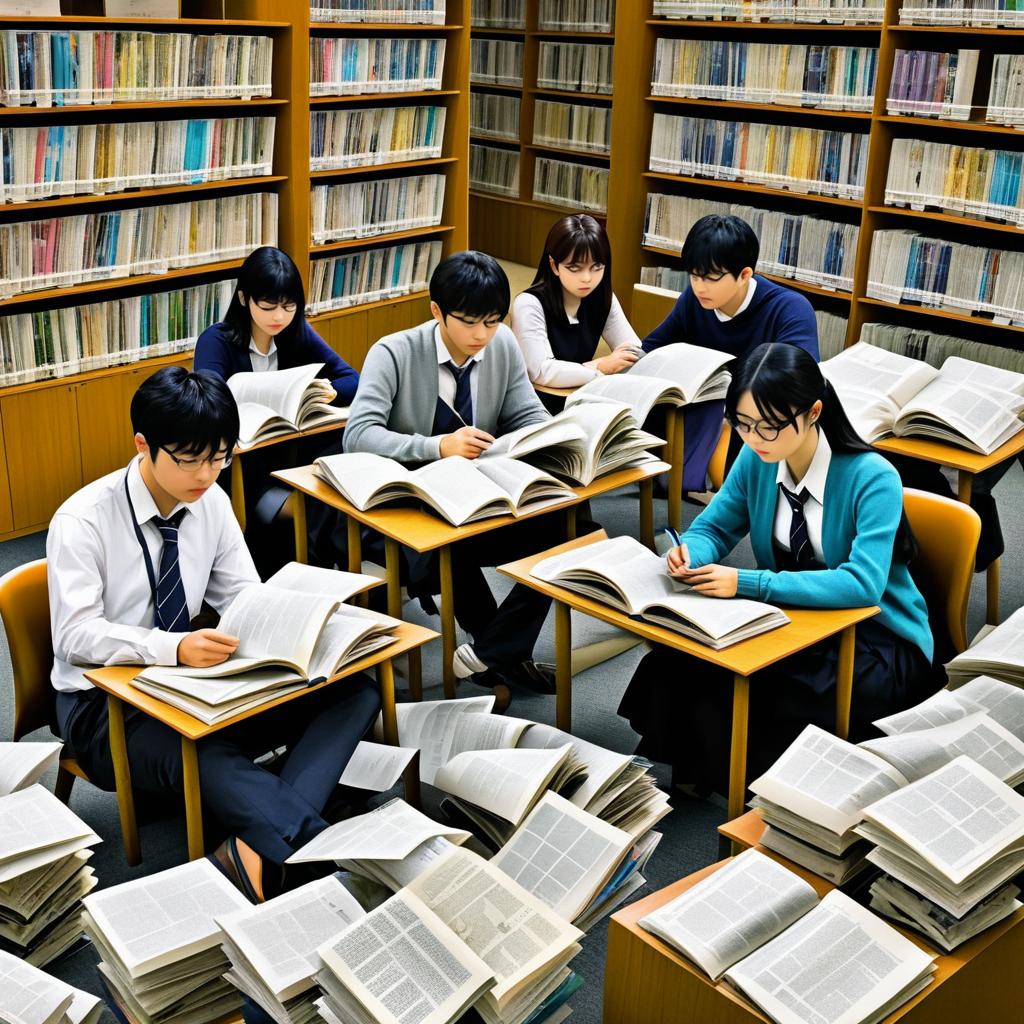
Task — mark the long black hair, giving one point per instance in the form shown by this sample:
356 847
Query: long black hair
576 238
784 382
267 275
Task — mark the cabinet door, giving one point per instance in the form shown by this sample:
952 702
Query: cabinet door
6 514
43 452
346 335
104 422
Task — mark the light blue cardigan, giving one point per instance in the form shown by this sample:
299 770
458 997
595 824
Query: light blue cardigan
863 503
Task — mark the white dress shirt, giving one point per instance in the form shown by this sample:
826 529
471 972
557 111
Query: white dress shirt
814 507
101 603
262 361
751 288
445 377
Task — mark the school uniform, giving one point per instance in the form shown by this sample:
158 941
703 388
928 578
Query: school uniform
406 403
851 511
104 597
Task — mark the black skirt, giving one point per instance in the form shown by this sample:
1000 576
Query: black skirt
682 706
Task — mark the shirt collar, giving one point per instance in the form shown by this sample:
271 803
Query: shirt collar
444 356
253 347
816 475
142 500
751 288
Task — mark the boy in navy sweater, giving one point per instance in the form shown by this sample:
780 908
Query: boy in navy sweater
730 308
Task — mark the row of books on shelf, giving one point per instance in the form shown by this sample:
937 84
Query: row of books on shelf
979 13
861 12
82 67
832 77
61 252
573 126
498 14
496 62
375 135
809 249
341 66
379 12
494 115
564 183
934 348
832 163
361 209
48 161
552 15
575 67
494 170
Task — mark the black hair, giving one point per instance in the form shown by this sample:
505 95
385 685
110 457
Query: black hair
188 412
784 382
471 283
720 245
575 238
267 275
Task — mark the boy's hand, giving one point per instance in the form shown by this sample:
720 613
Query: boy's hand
467 442
206 647
619 360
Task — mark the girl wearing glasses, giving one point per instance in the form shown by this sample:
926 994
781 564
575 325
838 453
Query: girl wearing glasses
824 514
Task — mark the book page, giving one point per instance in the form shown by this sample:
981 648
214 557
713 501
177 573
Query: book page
640 393
985 417
456 489
967 371
363 478
939 709
312 579
158 920
34 819
376 766
23 764
401 963
688 366
827 780
510 930
30 996
731 913
562 855
280 390
279 938
515 477
389 832
403 872
1000 653
347 636
1003 702
532 438
258 423
839 963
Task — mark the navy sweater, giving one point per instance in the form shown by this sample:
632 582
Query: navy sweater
216 352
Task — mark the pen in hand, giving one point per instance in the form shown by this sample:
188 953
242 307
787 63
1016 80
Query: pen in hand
679 556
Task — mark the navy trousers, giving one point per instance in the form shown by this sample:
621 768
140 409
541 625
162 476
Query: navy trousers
275 814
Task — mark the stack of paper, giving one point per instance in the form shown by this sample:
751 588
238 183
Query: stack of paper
30 996
159 944
43 874
1000 654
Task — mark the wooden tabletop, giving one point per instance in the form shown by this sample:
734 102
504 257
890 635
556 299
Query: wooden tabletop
807 626
425 531
557 392
944 454
293 435
116 680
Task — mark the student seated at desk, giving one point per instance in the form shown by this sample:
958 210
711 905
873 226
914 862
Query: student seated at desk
730 308
559 320
825 518
449 387
131 558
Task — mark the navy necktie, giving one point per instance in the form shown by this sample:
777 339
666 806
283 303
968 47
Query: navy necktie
799 543
463 403
171 606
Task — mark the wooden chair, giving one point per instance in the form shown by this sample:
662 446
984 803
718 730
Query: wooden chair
716 467
25 612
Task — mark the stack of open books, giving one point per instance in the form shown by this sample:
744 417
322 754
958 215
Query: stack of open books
999 653
31 996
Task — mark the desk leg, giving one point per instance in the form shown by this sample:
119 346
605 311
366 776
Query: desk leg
738 750
647 513
389 719
193 800
447 622
355 544
238 491
123 780
964 485
844 681
992 593
563 666
392 568
674 450
571 523
301 538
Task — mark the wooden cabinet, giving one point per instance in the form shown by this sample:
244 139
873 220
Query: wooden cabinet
6 514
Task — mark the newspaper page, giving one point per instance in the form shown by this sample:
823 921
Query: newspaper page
279 939
24 764
160 919
33 821
516 935
729 914
313 579
839 963
402 963
826 780
389 832
376 766
999 654
957 819
563 855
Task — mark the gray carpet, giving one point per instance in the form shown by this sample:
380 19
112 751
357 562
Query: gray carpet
689 832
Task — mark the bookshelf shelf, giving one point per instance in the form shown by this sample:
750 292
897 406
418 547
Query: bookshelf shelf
501 33
743 186
496 86
721 106
957 30
564 94
404 165
369 307
756 26
942 314
540 147
562 34
948 218
100 21
361 27
934 122
371 241
377 97
103 109
492 140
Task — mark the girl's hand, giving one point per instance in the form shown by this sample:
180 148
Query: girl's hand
679 561
714 580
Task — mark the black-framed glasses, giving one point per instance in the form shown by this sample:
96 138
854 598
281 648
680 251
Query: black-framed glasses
269 307
765 429
217 463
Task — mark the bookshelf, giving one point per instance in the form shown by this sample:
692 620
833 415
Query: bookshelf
59 433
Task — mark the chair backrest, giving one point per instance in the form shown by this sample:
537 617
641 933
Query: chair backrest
947 533
717 466
25 611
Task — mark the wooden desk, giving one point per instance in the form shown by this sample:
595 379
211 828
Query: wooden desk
807 626
967 465
424 531
237 478
648 982
116 681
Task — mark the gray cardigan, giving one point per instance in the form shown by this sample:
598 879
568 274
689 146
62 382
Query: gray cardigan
393 411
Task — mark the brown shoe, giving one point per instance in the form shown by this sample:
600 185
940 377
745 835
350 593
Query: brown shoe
502 699
243 866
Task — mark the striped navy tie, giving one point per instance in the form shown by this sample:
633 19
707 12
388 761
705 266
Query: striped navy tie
799 543
463 403
171 606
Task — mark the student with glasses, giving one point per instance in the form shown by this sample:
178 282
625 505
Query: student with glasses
824 514
730 308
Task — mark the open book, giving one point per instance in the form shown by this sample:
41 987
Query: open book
30 996
973 405
679 374
624 574
23 764
281 402
461 490
1000 654
801 961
